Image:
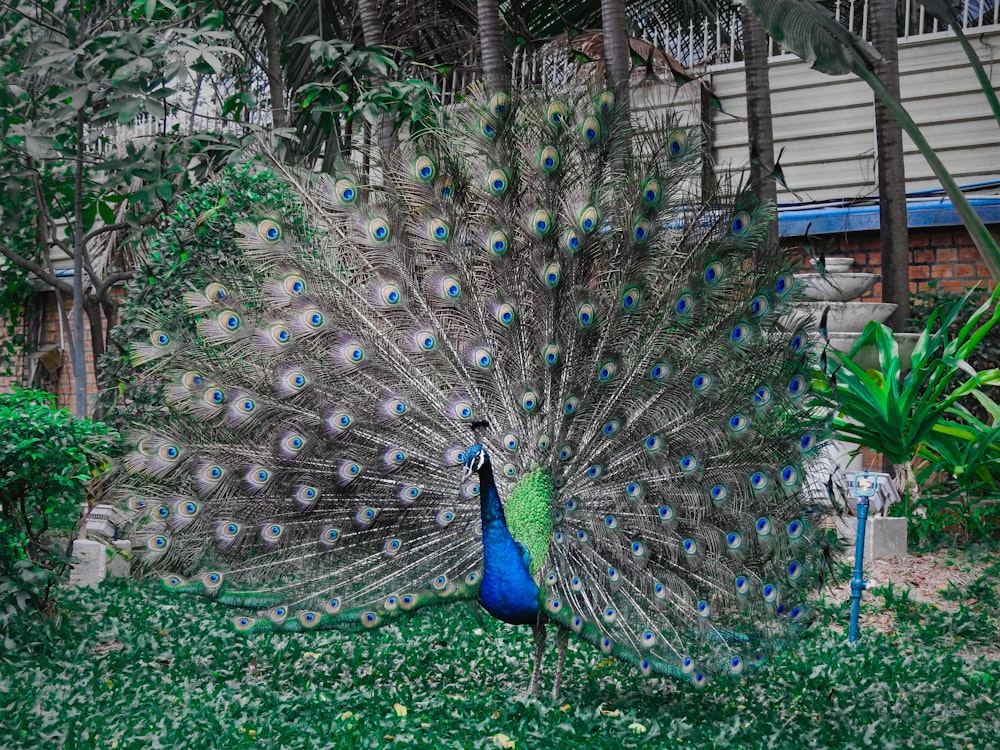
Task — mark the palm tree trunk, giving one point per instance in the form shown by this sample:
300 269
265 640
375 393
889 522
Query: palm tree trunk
905 482
491 45
891 175
760 131
275 80
371 28
618 58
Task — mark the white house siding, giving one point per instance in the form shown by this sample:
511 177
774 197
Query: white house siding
826 124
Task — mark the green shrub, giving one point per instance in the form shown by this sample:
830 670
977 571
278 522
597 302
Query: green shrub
959 467
986 354
895 411
47 459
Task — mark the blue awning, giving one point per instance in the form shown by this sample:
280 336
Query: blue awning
838 217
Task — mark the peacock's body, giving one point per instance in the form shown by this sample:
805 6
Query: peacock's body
540 282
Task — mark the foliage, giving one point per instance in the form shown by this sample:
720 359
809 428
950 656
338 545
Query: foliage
356 82
76 76
446 680
114 110
46 459
923 303
959 471
892 413
958 467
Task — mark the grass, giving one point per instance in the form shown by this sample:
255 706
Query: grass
127 666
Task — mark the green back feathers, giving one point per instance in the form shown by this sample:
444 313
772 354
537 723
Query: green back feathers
529 514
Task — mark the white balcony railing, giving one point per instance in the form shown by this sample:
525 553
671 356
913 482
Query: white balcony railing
712 43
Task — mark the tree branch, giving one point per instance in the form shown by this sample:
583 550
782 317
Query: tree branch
36 21
120 225
110 281
49 278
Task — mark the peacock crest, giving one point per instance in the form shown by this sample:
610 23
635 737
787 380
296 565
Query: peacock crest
523 361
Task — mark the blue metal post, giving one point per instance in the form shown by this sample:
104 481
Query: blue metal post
857 581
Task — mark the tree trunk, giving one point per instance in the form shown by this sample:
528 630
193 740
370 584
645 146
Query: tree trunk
374 35
891 176
905 482
79 248
491 45
275 80
618 57
760 131
92 306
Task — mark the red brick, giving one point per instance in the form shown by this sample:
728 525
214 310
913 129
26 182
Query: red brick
942 272
874 260
952 286
941 237
968 253
946 255
919 240
922 256
964 270
920 272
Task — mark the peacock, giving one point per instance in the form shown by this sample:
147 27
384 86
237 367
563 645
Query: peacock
523 360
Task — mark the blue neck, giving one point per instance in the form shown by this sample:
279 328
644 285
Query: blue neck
507 590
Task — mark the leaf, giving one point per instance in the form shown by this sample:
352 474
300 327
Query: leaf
127 109
107 213
812 33
165 190
132 71
40 146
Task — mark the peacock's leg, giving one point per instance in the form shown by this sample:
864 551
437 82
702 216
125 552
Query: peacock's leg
562 640
539 630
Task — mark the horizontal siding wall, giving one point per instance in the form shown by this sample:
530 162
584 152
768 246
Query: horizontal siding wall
826 123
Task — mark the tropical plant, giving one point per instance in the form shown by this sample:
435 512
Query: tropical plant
959 468
932 296
894 412
46 460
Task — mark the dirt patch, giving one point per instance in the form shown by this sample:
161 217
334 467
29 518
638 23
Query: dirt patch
927 576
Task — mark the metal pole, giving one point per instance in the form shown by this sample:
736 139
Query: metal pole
858 584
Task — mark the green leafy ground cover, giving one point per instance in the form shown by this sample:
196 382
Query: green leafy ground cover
127 666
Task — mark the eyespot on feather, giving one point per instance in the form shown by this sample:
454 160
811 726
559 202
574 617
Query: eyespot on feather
269 231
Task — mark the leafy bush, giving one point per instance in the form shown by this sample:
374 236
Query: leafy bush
46 459
200 233
894 412
986 354
959 471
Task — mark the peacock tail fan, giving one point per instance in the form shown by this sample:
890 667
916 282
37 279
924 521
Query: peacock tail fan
325 347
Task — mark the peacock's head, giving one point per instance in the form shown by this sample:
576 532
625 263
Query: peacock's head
474 458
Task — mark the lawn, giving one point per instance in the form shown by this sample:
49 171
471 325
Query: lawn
129 666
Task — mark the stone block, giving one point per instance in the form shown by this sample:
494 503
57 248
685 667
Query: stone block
885 537
91 563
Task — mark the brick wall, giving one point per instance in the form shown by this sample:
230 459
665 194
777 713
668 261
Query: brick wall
43 330
944 254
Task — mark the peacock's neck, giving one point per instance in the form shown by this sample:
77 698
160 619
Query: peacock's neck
507 590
